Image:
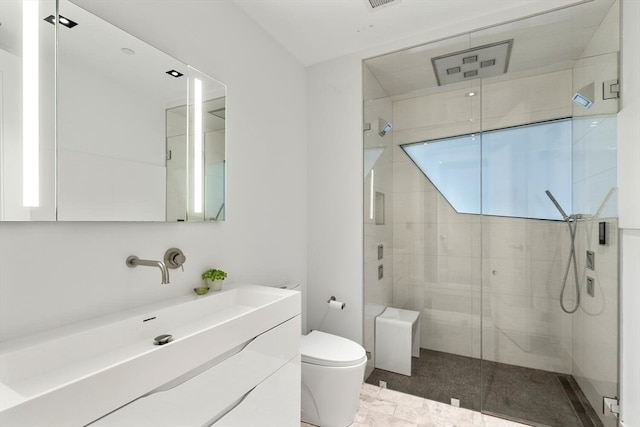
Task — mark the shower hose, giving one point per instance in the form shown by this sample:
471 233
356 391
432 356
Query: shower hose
572 257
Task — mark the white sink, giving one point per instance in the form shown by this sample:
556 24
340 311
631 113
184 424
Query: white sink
74 375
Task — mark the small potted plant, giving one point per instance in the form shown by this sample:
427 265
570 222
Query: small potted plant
214 278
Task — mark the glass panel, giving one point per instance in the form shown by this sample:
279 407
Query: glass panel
550 322
431 253
519 164
595 323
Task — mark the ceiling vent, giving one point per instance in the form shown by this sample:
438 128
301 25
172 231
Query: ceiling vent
479 62
375 4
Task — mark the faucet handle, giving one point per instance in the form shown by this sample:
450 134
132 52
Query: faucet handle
174 258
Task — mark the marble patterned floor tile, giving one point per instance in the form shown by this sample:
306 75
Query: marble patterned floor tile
401 398
378 405
375 419
388 408
370 390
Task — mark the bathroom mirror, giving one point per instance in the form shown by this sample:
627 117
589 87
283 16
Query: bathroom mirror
121 106
196 187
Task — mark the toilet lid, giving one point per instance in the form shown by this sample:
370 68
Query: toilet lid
319 348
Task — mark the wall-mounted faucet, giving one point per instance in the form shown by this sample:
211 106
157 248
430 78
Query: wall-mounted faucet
134 261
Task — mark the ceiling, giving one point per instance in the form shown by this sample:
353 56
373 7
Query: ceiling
551 41
318 30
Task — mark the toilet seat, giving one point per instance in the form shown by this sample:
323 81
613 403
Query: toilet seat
319 348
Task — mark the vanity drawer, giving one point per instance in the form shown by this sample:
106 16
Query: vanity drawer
210 394
274 402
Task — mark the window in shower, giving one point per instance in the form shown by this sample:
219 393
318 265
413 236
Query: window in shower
510 168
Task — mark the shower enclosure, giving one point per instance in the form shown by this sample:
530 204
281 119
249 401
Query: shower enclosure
490 209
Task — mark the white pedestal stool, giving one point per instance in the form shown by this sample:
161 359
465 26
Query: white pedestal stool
397 339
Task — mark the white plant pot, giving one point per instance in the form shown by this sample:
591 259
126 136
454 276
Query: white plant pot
214 285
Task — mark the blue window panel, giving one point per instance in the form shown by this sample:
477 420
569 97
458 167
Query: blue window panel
503 172
519 164
453 166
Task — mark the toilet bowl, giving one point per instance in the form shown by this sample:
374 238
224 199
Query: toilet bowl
332 375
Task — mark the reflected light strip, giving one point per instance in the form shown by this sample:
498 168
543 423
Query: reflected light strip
372 196
30 105
197 147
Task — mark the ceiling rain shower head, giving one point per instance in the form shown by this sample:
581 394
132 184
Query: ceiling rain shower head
479 62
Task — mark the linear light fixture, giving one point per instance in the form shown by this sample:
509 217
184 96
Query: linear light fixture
30 105
372 196
197 147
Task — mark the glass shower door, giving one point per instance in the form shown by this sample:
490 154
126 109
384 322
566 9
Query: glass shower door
429 237
549 244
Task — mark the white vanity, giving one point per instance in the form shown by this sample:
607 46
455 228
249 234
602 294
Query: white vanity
233 361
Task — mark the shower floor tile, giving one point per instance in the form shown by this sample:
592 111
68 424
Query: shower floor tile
532 396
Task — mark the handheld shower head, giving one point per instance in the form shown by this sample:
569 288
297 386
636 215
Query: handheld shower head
565 217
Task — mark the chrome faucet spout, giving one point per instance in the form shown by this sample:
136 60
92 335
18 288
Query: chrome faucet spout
134 261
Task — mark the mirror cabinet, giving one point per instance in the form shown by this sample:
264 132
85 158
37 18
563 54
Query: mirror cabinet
101 126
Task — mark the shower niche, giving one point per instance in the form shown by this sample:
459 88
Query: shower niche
474 242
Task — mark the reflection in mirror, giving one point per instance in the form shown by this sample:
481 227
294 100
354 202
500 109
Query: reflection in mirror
112 130
213 190
111 113
27 119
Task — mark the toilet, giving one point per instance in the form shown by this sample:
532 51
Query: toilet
332 375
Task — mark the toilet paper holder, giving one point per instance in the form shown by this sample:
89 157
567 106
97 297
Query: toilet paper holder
334 303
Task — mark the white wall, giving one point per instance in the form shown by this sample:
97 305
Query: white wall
334 186
629 119
56 273
629 209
